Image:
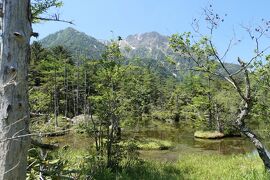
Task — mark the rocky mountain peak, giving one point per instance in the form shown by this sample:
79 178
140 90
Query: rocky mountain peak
152 39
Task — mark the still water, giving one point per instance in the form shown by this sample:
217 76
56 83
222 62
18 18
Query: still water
184 143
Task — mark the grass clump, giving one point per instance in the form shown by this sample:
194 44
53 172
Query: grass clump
211 167
154 144
208 134
149 144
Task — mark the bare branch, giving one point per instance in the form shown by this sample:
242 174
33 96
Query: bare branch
230 78
12 124
54 19
247 81
250 61
34 134
227 50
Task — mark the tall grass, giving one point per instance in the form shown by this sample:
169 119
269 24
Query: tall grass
191 167
212 167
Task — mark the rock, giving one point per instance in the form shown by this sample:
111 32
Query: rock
80 119
209 134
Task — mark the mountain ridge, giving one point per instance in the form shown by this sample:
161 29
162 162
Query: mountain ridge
148 41
152 47
75 41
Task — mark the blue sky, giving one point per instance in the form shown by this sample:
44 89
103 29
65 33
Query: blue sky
98 18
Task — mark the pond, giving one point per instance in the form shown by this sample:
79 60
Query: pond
184 143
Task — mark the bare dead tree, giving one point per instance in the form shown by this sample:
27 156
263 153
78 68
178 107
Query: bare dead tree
66 89
15 27
55 99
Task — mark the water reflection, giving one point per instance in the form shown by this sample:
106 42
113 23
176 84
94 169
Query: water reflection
230 145
184 142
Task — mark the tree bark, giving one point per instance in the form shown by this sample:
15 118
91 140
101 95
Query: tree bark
219 123
247 102
15 27
55 101
66 89
209 96
78 91
258 144
252 136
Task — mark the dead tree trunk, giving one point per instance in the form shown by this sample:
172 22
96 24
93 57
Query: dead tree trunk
15 27
66 89
253 138
219 123
209 96
78 91
243 114
55 101
85 94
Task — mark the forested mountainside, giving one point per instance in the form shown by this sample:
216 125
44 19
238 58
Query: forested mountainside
151 47
76 42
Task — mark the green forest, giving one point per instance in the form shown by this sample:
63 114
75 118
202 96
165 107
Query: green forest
147 106
120 106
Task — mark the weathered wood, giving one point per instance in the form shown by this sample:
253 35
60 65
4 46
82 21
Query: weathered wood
247 102
257 143
14 111
44 146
